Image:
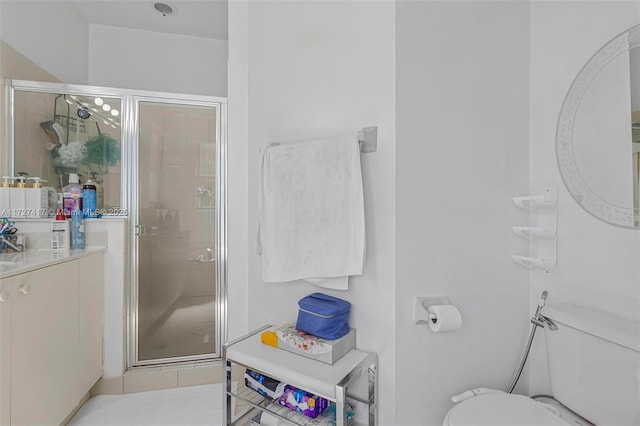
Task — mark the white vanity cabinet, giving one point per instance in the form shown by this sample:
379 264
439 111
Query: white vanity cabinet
51 340
5 361
91 325
44 344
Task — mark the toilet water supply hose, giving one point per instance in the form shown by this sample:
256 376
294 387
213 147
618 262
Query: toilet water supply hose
537 320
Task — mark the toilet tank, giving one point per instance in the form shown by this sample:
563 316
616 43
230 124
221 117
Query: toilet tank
594 363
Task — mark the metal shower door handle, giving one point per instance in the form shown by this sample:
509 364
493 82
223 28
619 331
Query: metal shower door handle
140 230
201 257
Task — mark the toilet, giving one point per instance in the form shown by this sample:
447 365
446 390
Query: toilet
594 372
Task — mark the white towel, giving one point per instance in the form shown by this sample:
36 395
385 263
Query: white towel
312 212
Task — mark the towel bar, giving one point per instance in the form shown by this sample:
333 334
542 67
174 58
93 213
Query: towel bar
368 138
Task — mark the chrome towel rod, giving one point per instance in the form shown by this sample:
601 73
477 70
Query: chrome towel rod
368 139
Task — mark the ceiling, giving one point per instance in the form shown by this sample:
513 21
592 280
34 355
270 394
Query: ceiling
199 18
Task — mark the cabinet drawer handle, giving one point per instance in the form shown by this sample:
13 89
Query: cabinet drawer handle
25 288
4 296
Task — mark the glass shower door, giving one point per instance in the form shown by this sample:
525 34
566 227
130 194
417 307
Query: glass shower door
176 232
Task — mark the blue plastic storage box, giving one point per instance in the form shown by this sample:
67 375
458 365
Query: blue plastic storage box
323 316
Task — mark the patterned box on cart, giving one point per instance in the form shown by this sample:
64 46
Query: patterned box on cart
323 350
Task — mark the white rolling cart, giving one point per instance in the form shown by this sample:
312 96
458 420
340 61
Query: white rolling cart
349 382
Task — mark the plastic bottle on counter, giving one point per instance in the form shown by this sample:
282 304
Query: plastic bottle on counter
99 190
77 229
72 195
89 198
60 233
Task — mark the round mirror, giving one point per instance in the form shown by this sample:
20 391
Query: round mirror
598 134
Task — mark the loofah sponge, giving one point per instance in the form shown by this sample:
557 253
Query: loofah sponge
71 155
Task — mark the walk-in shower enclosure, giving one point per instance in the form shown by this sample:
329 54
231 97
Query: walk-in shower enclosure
159 159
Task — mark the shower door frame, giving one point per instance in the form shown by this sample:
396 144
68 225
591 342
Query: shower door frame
130 100
220 226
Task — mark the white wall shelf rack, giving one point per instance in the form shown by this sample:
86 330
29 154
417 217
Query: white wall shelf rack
543 235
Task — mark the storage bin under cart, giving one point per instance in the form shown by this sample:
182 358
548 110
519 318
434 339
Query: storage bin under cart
350 383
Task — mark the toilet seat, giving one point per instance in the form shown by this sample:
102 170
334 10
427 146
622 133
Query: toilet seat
501 410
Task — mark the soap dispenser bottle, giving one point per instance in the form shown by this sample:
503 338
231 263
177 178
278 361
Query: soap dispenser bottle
5 196
19 197
38 199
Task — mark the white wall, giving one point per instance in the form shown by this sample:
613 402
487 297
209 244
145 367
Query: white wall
237 171
317 69
597 263
148 60
56 37
462 153
52 34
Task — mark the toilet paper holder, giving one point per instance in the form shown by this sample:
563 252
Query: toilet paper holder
421 314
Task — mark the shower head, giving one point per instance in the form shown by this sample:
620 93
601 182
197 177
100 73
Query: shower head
84 113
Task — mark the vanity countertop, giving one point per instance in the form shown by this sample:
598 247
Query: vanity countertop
17 263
